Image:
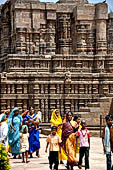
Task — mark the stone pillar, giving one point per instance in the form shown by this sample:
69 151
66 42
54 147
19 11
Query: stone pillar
24 105
25 89
101 17
8 88
42 108
19 88
3 105
36 99
12 104
13 89
8 104
63 38
45 115
110 33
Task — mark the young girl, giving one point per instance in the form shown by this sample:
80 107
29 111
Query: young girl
24 143
84 136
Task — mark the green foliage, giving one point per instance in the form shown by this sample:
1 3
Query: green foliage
4 160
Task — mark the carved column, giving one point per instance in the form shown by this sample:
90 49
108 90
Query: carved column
64 40
46 114
101 17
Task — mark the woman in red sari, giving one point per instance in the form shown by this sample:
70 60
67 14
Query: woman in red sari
69 140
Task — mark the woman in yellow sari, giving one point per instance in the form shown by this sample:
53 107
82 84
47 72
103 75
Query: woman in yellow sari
56 120
69 140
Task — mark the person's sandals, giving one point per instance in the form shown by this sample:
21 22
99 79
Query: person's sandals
19 157
61 162
79 166
31 156
37 154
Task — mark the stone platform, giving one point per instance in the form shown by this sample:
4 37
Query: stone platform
97 158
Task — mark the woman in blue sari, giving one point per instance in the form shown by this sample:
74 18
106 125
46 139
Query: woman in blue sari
14 126
32 121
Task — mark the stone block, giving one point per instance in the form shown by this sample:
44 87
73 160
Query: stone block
38 6
36 20
85 12
110 15
51 6
22 5
101 11
23 19
51 15
65 8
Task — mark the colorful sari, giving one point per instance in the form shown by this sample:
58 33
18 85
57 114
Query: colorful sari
34 143
24 115
78 147
69 142
55 121
14 136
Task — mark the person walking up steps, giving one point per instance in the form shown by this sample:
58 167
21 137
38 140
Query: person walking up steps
54 141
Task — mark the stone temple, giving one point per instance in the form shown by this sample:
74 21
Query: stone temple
57 55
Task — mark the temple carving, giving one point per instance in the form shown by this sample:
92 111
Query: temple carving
56 55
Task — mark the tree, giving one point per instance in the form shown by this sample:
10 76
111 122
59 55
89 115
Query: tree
4 160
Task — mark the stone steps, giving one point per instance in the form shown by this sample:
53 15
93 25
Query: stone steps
91 113
84 109
103 99
96 104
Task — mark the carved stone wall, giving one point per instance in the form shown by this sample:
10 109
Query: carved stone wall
55 55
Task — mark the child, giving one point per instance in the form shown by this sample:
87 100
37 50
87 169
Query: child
24 143
84 136
107 141
54 141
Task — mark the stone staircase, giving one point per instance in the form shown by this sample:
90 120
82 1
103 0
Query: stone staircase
91 114
93 111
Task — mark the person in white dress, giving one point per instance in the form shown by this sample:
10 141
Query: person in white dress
3 130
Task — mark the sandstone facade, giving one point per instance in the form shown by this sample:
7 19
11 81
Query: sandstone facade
56 55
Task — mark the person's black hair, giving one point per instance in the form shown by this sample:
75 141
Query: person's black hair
111 116
69 112
75 117
107 117
53 127
29 107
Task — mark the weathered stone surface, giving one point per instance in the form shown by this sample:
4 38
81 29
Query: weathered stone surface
56 55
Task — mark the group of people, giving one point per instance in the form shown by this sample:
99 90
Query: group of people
68 138
20 133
